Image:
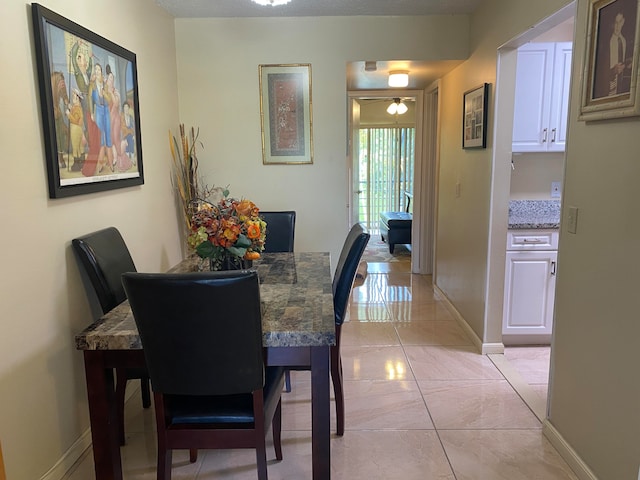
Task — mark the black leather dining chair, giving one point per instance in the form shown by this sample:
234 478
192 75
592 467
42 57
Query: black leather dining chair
202 340
343 279
281 229
104 257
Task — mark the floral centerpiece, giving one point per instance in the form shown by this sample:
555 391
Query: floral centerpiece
229 233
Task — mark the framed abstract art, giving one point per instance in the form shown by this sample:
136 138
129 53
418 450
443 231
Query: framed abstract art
286 114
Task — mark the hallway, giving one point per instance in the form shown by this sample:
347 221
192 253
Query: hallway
420 404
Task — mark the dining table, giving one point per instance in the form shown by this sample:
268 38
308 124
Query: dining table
298 328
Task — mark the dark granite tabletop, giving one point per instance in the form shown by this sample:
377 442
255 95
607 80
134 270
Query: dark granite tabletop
532 214
297 305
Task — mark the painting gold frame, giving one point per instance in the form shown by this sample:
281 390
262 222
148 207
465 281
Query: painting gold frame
286 114
610 86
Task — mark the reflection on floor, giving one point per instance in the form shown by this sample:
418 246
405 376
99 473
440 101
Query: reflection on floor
421 403
532 363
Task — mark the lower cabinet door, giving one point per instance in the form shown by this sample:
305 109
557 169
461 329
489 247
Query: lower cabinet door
530 281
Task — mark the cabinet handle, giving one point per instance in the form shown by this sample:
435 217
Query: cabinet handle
553 269
544 135
553 135
532 240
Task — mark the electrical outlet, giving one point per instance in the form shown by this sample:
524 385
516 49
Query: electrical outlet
556 189
572 220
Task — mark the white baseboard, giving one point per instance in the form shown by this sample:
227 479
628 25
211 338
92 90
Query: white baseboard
70 457
582 471
80 446
483 348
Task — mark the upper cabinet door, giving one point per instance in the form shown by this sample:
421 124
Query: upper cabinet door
543 73
560 97
534 75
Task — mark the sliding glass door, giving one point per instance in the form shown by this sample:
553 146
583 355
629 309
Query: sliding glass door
386 161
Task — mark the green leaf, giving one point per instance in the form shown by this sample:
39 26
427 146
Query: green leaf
207 250
238 252
242 242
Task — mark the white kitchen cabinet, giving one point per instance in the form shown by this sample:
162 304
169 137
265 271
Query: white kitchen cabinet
543 73
530 280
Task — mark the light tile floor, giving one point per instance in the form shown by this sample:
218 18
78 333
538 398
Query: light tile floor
532 363
421 404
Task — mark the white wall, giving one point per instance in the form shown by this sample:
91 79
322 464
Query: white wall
595 387
463 222
43 303
218 77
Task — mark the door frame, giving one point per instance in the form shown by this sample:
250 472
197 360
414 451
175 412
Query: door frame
423 178
501 175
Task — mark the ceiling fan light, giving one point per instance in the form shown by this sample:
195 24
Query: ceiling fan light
397 107
398 78
273 3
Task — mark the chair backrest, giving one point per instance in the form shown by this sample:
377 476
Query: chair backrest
201 332
281 229
105 257
350 256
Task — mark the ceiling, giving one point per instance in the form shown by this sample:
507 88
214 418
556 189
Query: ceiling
421 74
315 8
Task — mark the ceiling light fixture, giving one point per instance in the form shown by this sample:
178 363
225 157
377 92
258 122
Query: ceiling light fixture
398 78
397 107
273 3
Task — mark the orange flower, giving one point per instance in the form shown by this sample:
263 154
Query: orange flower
245 207
253 230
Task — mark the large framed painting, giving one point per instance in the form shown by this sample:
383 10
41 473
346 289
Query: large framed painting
286 114
90 109
474 117
610 83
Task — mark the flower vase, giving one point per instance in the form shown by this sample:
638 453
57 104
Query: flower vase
230 262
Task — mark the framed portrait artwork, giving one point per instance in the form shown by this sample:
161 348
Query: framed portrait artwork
474 117
286 114
610 78
90 110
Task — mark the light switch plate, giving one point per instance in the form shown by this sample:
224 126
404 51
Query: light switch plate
556 189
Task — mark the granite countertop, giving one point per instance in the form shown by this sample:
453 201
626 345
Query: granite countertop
531 214
296 297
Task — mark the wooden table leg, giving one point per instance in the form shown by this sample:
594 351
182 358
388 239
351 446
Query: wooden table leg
320 413
103 416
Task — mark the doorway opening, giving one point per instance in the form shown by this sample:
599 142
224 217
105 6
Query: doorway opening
385 161
416 176
503 190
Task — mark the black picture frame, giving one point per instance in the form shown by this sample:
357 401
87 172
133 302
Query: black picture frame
474 117
90 109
